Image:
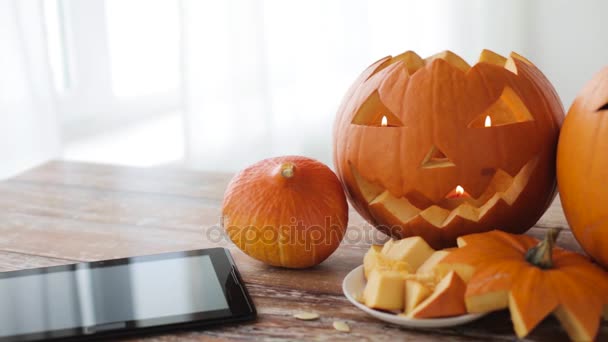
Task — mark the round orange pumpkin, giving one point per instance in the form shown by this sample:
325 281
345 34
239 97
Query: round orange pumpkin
436 148
582 167
286 211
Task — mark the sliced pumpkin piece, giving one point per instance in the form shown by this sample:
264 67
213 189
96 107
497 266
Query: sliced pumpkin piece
413 250
370 260
385 290
428 267
415 293
446 265
375 260
446 300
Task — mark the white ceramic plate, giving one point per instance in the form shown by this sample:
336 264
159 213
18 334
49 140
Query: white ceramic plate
353 286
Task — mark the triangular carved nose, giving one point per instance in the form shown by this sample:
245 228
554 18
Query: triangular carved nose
435 158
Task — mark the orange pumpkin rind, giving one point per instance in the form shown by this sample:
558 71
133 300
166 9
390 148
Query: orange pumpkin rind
574 290
582 167
286 211
410 130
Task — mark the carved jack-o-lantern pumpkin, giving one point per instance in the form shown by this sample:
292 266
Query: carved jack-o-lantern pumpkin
436 148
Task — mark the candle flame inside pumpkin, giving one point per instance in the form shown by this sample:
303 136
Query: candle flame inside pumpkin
459 190
488 122
384 121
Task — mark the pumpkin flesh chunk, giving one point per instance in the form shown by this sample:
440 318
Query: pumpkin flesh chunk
371 259
374 259
413 250
429 266
415 293
447 299
385 290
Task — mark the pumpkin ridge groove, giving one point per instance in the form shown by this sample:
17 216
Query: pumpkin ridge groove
602 108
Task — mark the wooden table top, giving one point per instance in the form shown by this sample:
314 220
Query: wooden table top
66 212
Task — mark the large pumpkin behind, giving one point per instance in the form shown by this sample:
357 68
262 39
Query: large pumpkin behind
582 167
436 148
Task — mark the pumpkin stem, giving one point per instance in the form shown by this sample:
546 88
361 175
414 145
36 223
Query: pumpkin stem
287 169
541 254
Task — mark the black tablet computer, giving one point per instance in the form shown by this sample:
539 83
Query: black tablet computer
119 297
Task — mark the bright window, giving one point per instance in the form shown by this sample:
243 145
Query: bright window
143 41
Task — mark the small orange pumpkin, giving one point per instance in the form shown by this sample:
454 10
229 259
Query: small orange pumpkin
532 279
286 211
582 167
437 148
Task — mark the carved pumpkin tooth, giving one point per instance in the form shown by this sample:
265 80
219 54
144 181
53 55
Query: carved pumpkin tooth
451 58
412 62
369 190
502 187
511 65
515 55
491 57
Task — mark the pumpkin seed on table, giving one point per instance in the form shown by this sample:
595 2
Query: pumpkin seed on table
341 326
306 316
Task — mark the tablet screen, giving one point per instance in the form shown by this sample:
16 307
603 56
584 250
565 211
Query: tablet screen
91 296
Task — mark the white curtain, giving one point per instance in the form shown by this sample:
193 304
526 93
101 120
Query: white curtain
29 132
262 78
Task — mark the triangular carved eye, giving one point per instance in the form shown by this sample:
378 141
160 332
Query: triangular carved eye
508 109
435 158
374 113
604 107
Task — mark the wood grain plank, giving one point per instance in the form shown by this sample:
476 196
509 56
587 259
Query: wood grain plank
17 261
62 212
164 181
276 321
107 206
554 216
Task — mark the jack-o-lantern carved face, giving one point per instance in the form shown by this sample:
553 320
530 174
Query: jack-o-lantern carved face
439 149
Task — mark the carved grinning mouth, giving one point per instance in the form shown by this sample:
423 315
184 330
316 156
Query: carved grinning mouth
502 187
